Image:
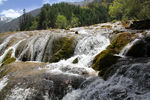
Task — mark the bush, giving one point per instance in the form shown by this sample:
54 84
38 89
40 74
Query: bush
61 22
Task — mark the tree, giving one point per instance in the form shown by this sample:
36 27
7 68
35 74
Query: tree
61 21
25 21
44 20
34 25
74 21
130 9
116 9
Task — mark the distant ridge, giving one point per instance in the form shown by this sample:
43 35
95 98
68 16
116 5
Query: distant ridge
14 24
84 3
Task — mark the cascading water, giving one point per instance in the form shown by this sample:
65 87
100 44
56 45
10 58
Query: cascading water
126 48
38 47
85 51
130 82
70 77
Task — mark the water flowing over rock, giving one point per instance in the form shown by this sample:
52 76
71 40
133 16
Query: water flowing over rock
129 82
48 81
56 64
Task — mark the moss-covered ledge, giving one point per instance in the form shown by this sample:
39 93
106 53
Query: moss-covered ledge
104 60
63 48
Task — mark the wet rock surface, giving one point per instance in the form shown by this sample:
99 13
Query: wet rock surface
144 24
141 48
56 64
129 79
42 84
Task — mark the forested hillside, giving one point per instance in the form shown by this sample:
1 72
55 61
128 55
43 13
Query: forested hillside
65 16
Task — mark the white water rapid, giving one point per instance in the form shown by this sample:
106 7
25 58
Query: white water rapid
56 65
37 47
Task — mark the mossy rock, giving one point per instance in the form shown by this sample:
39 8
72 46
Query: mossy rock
20 48
120 41
117 31
104 60
125 23
63 50
75 61
138 49
8 55
107 26
8 61
58 43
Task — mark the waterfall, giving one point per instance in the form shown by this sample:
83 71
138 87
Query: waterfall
87 48
56 65
129 82
126 48
37 47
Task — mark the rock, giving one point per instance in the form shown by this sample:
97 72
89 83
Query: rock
75 61
141 48
103 61
143 24
8 61
8 55
20 48
76 32
138 49
63 51
26 75
120 41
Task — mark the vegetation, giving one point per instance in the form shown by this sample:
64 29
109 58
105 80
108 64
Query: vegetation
61 21
104 60
75 61
8 55
26 21
130 9
64 15
63 48
119 41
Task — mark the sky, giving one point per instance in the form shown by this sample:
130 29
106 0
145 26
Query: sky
14 8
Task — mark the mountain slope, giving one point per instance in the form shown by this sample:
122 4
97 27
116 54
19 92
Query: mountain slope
4 20
85 2
14 24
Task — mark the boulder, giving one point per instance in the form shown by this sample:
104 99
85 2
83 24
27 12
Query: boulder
75 61
103 61
119 41
138 49
141 25
141 48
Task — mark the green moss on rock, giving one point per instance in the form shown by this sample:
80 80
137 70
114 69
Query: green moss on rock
120 41
104 60
8 55
63 49
8 61
20 48
75 61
